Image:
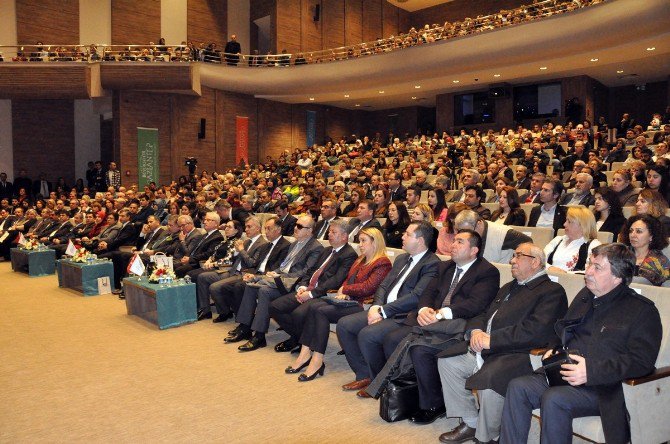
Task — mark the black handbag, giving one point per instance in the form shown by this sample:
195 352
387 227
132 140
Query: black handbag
399 400
552 366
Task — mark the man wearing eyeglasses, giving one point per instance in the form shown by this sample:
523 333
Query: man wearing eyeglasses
254 312
497 346
328 215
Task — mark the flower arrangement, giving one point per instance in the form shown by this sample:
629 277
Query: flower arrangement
31 244
161 273
81 255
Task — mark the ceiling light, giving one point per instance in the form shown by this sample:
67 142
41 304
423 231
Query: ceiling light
381 91
496 75
619 71
651 48
413 97
311 98
543 68
358 104
346 96
455 81
417 86
594 60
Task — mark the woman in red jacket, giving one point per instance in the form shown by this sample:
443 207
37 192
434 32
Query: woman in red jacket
359 287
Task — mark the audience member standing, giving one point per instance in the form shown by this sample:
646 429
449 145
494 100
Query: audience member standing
232 48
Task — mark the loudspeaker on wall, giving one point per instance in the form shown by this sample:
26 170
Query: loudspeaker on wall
203 127
317 12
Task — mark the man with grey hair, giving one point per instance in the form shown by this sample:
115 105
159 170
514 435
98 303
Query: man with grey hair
496 347
421 181
468 177
618 334
498 241
204 248
582 192
327 274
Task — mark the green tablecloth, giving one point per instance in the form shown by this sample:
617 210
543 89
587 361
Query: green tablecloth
35 263
82 276
168 306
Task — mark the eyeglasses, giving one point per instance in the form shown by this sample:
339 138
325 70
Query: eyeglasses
516 255
300 226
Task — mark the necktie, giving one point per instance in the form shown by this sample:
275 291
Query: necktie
247 246
314 281
200 243
45 189
354 233
323 230
261 267
393 294
286 264
452 288
146 245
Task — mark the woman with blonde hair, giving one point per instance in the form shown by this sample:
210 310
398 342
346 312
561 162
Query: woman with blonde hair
365 275
423 212
569 252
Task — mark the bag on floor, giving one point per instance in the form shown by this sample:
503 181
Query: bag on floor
399 400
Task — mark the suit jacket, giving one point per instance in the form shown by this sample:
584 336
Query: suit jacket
288 225
59 231
190 241
412 287
276 257
6 190
335 272
249 257
559 217
305 260
127 235
110 232
588 199
473 293
155 239
204 248
628 327
372 223
42 227
37 185
399 195
524 184
521 323
319 226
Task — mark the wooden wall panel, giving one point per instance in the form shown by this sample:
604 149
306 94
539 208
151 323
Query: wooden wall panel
289 32
260 9
353 22
208 22
372 20
403 21
459 9
43 132
229 106
146 75
44 81
149 110
136 23
333 23
186 114
389 20
52 22
338 123
311 31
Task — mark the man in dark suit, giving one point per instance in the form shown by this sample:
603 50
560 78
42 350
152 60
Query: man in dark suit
369 338
232 51
328 215
228 291
463 289
522 179
226 212
397 191
254 313
328 273
474 196
365 219
582 193
42 187
127 236
204 248
6 188
23 181
618 342
497 346
533 195
550 213
59 230
286 220
246 253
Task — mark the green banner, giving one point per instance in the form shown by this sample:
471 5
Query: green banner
147 156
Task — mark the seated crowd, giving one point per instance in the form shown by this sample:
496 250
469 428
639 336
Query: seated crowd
209 53
349 207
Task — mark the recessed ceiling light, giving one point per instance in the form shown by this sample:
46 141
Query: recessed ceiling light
651 48
381 91
594 60
619 71
496 75
456 81
358 104
543 68
413 97
311 98
346 96
417 86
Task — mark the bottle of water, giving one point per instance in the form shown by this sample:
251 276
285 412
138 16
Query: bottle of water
89 259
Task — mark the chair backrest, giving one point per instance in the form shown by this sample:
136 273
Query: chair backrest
541 235
572 283
393 253
617 165
660 296
605 237
505 273
628 211
527 208
491 206
424 196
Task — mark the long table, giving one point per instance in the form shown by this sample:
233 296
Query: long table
165 306
83 277
34 262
